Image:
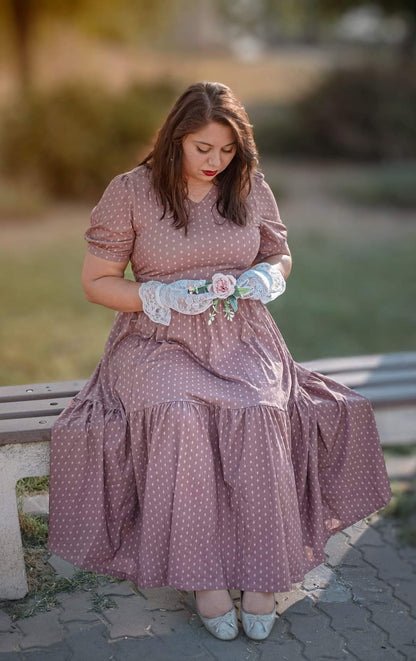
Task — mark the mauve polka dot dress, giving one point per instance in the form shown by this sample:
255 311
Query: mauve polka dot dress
203 456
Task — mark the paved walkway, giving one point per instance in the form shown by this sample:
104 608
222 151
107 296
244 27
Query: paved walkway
359 604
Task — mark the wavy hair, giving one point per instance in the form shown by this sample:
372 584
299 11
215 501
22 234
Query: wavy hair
201 103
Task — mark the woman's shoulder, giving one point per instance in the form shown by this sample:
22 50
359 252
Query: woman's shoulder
137 180
140 173
259 186
257 179
257 175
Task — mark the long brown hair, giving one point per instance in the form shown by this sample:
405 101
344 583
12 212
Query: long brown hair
199 104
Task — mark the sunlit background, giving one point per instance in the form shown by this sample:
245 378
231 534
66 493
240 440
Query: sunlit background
330 88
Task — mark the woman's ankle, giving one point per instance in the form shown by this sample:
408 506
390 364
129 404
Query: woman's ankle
213 603
258 603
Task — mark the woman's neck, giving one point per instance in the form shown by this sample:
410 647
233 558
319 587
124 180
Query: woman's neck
198 191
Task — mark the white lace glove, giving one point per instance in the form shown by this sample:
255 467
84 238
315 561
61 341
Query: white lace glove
159 298
265 280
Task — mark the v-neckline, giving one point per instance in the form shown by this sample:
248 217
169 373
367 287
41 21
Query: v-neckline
205 196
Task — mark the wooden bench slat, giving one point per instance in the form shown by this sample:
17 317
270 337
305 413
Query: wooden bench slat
40 390
380 378
32 408
394 395
395 360
29 430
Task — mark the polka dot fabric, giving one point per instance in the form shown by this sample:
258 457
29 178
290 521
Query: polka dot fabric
203 456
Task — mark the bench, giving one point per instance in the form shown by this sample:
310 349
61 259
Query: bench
27 413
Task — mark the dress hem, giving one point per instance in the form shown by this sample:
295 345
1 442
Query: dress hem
297 577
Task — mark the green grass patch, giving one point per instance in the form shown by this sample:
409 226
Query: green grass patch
348 297
403 502
44 586
392 186
31 486
402 507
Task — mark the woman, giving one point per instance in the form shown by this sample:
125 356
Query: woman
199 454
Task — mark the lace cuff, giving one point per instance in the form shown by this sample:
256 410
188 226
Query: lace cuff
151 305
278 282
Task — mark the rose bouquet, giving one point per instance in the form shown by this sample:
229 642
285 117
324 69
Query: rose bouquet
226 289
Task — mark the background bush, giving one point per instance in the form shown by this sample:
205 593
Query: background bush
71 140
364 113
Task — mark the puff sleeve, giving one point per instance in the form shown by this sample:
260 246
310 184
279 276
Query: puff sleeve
273 232
111 233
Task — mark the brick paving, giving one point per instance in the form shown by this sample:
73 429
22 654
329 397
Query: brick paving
359 604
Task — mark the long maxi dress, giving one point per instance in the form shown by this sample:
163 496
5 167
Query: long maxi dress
203 456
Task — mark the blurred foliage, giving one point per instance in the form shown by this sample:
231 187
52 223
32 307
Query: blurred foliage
364 113
71 140
121 20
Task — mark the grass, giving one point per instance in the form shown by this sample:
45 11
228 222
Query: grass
44 587
45 595
31 486
392 186
402 507
348 299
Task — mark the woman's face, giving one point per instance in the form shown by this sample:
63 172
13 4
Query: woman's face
207 152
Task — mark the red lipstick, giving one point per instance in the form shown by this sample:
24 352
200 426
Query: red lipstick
210 173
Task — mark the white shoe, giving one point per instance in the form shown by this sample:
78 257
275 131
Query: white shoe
257 626
224 626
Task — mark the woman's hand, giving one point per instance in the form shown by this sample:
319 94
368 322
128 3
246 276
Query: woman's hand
265 280
160 298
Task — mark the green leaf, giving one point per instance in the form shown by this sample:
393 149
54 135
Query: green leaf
240 291
232 299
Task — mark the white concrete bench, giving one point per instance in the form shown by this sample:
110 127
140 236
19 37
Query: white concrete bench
28 412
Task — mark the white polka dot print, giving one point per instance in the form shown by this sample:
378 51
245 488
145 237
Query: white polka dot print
203 456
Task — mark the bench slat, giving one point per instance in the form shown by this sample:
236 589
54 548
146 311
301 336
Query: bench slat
395 360
33 408
40 390
29 430
389 396
380 378
378 392
37 428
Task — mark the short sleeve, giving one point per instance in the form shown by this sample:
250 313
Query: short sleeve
273 232
111 233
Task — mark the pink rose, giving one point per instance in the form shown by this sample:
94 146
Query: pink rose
222 285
